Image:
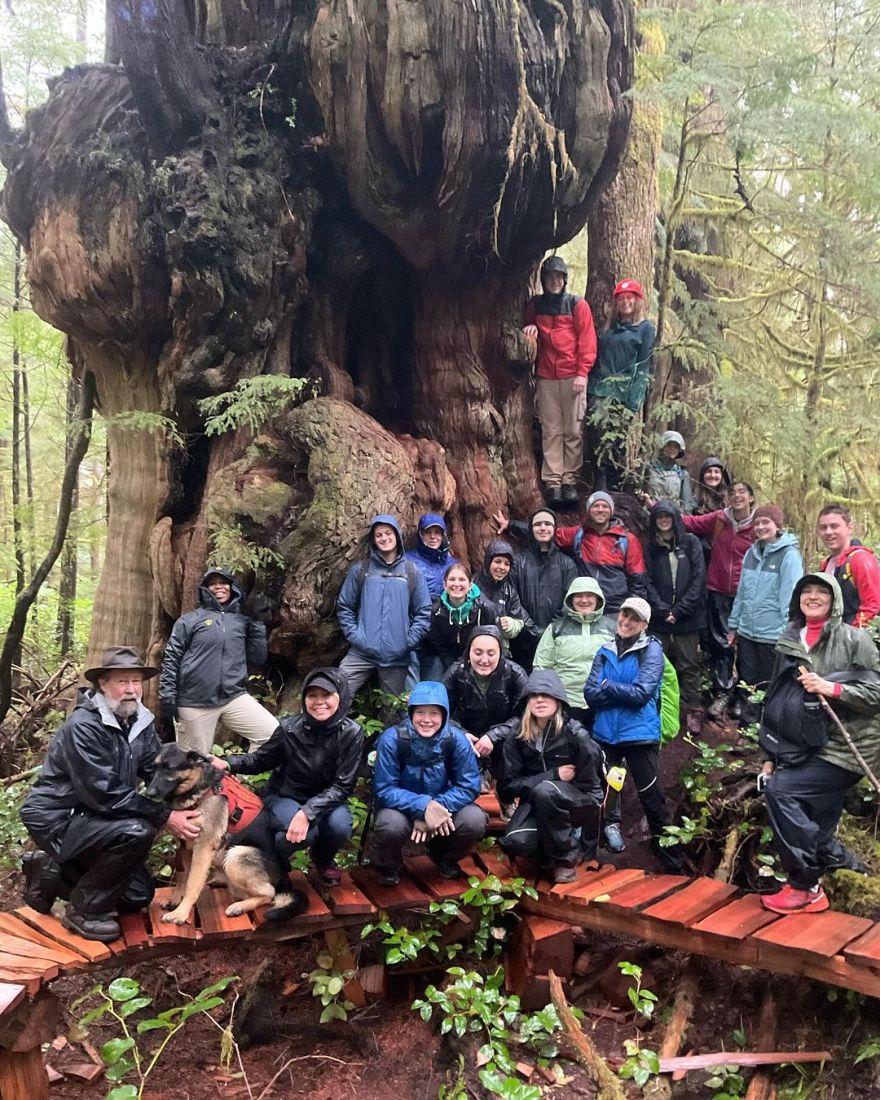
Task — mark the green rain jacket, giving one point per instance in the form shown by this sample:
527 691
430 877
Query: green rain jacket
572 640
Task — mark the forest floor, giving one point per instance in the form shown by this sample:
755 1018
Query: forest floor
386 1051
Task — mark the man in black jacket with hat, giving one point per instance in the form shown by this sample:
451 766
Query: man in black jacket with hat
84 812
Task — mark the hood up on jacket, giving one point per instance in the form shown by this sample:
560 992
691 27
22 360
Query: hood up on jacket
391 521
666 508
488 631
544 681
430 693
429 553
713 460
830 581
208 600
497 548
673 437
532 540
584 584
341 685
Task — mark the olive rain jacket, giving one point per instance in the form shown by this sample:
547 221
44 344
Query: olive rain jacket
623 365
383 607
423 775
477 710
503 594
93 766
572 640
207 656
625 692
432 563
847 655
314 763
729 539
685 597
763 597
668 479
526 765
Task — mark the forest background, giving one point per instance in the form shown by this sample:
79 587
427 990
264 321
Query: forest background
755 138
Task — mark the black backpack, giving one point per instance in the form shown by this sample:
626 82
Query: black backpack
793 724
404 749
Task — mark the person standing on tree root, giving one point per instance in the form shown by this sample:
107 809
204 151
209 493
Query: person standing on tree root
855 566
623 689
495 582
809 766
619 381
384 610
431 552
426 786
205 668
667 478
84 812
562 326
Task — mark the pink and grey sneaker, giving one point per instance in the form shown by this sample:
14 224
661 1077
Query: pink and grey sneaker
792 900
329 875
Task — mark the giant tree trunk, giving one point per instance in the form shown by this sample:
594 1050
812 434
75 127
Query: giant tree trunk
323 201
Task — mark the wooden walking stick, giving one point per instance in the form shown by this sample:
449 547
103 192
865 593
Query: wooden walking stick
845 734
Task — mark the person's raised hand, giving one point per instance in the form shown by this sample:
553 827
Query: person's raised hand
501 521
298 828
531 331
566 772
184 824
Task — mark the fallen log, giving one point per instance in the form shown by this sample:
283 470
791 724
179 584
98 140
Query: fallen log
682 1011
609 1086
761 1085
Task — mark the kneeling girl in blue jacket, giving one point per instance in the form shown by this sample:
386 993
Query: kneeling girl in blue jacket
426 784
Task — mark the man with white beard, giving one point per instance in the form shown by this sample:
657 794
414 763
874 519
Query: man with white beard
94 830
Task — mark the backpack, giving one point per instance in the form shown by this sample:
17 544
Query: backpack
412 574
622 543
404 749
793 724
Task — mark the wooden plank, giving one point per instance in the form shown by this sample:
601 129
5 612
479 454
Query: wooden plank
51 926
316 910
738 920
495 862
471 868
23 1076
212 918
423 870
11 996
489 804
596 888
585 875
184 934
637 894
35 953
693 903
823 934
343 959
742 1058
13 966
12 926
865 951
346 899
134 931
404 894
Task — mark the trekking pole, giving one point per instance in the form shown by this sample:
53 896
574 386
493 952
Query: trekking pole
845 734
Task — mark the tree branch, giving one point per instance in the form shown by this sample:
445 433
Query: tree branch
6 133
28 595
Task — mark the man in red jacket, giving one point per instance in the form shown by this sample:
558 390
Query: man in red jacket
562 325
855 566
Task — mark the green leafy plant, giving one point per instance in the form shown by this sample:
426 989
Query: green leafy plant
136 420
252 402
126 1055
868 1050
642 1000
12 832
491 899
328 985
640 1064
404 944
726 1082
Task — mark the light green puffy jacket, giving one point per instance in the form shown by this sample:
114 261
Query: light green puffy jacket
572 640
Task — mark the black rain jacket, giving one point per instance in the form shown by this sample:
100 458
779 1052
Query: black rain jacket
541 578
502 594
687 600
478 711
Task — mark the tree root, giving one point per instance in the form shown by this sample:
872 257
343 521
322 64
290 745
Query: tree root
609 1086
660 1088
724 870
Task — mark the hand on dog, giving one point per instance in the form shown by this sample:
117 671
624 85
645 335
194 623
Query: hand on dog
184 824
220 763
298 828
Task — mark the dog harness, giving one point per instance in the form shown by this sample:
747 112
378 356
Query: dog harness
243 803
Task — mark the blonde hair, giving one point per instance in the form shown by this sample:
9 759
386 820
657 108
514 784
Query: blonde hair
531 728
637 315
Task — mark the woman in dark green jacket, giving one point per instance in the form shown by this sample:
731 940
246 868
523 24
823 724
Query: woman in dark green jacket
809 766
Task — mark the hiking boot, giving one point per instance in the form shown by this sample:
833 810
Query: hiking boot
506 810
448 868
286 906
614 839
569 494
553 494
562 874
329 875
102 926
792 900
719 705
735 708
694 720
42 877
388 876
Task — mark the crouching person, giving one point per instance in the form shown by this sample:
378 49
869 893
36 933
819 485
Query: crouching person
314 758
93 828
425 785
553 766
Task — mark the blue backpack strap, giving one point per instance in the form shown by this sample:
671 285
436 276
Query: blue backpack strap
578 540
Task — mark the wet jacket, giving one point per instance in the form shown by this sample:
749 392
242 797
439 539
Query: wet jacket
572 640
730 539
668 479
541 578
623 367
711 500
502 594
858 574
446 638
477 710
93 766
432 563
207 656
769 573
625 692
614 558
566 335
842 653
384 608
526 765
423 775
314 763
685 597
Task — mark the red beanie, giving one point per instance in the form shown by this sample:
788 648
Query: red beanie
770 511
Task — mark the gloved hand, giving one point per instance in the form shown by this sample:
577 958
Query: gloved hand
259 607
436 815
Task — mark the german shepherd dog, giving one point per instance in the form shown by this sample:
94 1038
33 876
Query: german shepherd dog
186 780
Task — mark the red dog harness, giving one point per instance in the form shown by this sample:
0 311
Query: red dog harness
244 804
